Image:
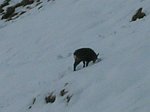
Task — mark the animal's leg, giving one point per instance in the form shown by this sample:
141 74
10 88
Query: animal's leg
83 64
87 63
75 64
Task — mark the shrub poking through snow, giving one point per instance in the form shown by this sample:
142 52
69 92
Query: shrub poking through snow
50 98
68 98
33 102
138 15
9 13
63 92
26 2
5 3
1 9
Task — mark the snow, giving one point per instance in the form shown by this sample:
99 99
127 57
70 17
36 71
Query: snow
36 57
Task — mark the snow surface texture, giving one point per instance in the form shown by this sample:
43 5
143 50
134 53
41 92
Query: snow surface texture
36 58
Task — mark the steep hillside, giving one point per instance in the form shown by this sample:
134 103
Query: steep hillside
36 57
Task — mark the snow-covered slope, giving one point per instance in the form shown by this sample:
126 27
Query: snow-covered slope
36 58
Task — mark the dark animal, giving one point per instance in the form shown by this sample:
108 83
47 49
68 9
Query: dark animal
86 55
138 15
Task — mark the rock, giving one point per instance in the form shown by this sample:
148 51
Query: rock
138 15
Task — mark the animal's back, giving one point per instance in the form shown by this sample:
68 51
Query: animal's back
85 52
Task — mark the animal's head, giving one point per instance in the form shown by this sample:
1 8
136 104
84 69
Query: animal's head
96 57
